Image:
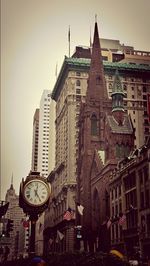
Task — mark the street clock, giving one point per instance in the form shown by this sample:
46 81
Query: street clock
36 192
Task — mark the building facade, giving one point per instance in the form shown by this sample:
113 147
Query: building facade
130 194
69 91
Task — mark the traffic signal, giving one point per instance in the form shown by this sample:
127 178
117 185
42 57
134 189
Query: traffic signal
79 232
9 227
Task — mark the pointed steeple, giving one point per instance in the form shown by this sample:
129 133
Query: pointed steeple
96 83
117 99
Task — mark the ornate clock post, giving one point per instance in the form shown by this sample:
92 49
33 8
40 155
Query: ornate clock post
33 199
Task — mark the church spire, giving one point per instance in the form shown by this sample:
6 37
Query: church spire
96 85
117 99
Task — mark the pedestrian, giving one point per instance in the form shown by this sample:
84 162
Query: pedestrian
37 261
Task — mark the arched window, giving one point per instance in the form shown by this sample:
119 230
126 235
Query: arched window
118 150
78 82
94 130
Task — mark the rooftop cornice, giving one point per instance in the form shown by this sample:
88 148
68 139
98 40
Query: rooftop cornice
83 64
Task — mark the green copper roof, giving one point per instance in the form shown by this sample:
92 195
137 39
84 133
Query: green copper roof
117 86
77 64
115 65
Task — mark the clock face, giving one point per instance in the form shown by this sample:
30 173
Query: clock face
36 192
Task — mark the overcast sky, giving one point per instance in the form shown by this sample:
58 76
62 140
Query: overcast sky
34 38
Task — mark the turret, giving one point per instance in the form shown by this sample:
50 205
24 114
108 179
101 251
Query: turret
117 100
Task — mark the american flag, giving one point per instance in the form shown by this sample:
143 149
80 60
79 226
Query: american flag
69 214
109 222
122 219
80 208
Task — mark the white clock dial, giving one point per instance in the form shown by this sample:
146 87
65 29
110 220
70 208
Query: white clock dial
36 192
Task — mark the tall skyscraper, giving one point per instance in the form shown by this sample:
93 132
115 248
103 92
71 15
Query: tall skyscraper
35 141
16 214
43 150
43 142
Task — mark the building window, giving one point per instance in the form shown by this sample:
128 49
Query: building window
112 194
94 131
146 122
110 86
116 194
120 207
141 177
146 130
119 190
98 80
78 91
148 222
125 87
147 199
78 74
78 98
113 213
142 199
78 83
145 174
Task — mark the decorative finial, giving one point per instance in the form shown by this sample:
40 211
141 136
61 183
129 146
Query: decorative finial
95 18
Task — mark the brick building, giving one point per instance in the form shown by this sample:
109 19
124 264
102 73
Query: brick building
106 135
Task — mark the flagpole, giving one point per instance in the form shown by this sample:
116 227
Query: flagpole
69 39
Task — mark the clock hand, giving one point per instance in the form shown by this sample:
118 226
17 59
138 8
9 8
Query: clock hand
36 194
38 197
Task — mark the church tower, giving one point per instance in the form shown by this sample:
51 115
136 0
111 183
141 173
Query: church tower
91 133
119 132
106 135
